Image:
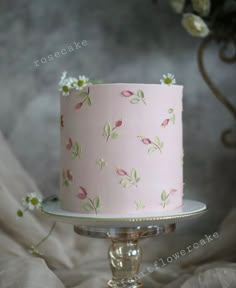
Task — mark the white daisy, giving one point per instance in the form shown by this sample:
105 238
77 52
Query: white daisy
168 79
195 25
82 82
32 201
66 84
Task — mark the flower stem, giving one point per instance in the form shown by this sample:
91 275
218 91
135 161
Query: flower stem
46 237
95 209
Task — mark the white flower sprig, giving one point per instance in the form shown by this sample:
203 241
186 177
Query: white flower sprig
168 79
31 201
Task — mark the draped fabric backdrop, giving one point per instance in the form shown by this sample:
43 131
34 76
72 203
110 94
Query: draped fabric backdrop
127 41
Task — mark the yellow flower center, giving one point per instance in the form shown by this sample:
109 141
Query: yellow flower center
168 80
80 83
19 213
34 201
65 89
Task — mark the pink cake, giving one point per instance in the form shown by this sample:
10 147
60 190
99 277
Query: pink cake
121 147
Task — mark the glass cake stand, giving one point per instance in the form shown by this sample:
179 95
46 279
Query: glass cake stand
124 253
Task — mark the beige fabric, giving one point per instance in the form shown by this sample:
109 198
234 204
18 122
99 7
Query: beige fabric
79 262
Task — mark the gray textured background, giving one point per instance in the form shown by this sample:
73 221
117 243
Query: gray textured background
128 41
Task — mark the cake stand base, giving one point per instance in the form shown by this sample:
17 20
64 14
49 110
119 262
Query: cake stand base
124 253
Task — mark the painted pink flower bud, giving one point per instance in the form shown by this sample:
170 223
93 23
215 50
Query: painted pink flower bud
118 123
165 122
78 105
146 141
83 190
69 144
69 175
127 93
121 172
173 191
81 196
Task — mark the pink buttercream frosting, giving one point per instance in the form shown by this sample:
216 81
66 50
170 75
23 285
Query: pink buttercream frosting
121 149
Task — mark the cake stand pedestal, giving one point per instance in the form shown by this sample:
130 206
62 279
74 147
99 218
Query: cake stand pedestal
124 253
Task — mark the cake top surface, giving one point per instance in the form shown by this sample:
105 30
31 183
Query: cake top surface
68 83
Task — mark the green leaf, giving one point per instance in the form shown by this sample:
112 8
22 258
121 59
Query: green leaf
172 118
115 135
66 183
107 129
134 174
125 182
87 207
97 202
76 150
152 149
96 81
140 94
135 100
157 141
164 195
89 102
138 179
84 94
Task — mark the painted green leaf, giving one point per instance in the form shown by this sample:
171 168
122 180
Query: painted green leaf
152 149
172 118
140 93
89 102
164 195
115 135
138 179
157 141
125 182
66 182
84 94
134 174
170 111
134 100
107 129
87 207
76 150
97 202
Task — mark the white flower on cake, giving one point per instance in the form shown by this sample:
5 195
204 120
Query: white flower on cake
168 79
195 25
31 201
81 82
68 83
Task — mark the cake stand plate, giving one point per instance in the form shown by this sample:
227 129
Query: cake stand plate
190 209
124 253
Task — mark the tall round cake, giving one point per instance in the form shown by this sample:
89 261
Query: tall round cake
121 147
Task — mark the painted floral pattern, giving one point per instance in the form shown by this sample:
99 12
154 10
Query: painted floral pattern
67 177
153 145
74 147
171 118
101 163
165 197
128 180
139 204
109 131
136 97
85 99
88 203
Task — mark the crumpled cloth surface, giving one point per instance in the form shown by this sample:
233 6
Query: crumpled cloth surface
73 261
